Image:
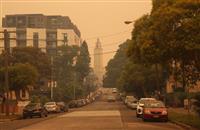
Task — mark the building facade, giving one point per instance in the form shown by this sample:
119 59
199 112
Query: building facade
37 30
98 62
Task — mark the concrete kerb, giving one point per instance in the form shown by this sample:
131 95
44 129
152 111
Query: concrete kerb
185 126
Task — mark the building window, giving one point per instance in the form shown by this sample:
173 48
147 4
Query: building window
65 38
51 36
51 44
31 21
21 21
21 39
11 21
35 39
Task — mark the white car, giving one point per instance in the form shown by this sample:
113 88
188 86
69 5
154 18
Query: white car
114 90
140 105
129 99
132 104
52 107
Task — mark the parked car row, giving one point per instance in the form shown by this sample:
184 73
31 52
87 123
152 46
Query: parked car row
37 109
83 102
147 108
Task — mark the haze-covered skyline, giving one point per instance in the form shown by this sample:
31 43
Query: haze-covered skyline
95 19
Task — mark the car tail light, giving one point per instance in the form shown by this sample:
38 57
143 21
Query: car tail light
164 112
147 112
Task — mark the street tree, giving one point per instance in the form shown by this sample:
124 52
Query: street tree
83 62
115 66
20 77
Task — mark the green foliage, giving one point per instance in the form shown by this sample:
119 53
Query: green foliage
138 79
170 33
176 99
34 57
83 62
71 67
115 66
20 76
197 104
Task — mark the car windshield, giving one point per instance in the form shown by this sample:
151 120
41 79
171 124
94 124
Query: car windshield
134 101
60 103
30 105
154 105
130 98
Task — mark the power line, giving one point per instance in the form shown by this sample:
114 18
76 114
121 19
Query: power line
109 35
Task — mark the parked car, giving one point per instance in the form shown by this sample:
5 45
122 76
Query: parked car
84 102
63 107
111 98
80 103
122 97
128 99
34 109
52 107
155 110
87 101
114 90
140 105
72 104
132 104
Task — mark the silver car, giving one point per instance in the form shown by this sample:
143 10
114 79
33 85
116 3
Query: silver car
52 107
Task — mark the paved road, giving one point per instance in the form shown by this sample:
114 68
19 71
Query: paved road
99 116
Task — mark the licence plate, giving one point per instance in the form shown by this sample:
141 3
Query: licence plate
156 116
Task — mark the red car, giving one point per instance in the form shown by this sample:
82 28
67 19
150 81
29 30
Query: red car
155 110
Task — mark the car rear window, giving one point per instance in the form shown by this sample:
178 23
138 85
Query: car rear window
155 105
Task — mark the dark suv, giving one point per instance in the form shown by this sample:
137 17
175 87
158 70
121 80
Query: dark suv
34 109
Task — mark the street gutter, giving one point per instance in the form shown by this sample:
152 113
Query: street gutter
185 126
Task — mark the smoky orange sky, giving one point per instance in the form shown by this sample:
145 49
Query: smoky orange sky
94 18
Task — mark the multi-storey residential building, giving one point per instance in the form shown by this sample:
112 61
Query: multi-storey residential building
37 30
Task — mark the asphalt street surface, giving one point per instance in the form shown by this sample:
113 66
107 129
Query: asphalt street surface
100 115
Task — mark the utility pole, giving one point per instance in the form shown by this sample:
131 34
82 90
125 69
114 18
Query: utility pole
52 82
6 75
74 86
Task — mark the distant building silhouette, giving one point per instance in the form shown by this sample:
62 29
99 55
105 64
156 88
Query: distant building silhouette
98 61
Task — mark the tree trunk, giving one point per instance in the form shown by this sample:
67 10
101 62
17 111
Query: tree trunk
157 77
17 94
183 76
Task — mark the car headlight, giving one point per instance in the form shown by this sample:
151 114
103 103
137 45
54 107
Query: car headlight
147 112
164 112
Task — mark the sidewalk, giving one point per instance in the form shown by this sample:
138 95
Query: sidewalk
181 111
180 116
4 118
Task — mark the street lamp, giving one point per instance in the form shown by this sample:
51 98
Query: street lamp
128 22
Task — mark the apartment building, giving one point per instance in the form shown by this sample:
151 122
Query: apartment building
38 30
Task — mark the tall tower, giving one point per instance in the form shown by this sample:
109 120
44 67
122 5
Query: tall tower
98 62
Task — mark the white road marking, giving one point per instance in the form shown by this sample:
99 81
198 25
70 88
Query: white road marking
92 114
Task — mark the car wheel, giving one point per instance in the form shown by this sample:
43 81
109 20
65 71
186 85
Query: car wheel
137 115
165 120
144 119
